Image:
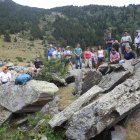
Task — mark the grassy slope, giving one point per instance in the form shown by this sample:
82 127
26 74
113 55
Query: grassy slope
23 48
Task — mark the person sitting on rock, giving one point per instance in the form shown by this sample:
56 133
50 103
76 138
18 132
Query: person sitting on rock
114 56
5 76
129 54
22 79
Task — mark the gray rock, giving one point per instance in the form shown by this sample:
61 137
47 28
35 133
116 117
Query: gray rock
119 133
90 79
58 80
105 68
16 98
4 115
51 107
44 138
111 80
66 114
128 66
105 112
38 126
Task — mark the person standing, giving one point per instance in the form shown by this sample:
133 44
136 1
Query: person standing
87 57
137 44
109 43
78 54
101 55
50 51
94 58
125 41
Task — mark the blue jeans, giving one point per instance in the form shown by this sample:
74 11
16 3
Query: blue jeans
78 60
108 51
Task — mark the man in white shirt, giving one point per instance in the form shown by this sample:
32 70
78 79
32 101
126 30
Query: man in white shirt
137 44
125 40
5 76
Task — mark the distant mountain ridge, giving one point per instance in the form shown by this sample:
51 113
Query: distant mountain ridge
69 24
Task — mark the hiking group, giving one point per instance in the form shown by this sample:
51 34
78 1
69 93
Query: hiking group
93 57
117 52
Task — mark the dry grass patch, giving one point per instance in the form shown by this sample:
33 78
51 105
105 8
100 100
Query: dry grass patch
66 97
133 131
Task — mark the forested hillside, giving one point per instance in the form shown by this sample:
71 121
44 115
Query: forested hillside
69 24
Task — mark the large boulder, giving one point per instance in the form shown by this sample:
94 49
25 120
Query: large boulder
105 112
111 80
28 98
66 114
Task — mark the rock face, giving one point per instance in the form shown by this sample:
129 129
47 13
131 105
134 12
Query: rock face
105 68
111 80
105 111
66 114
4 115
90 79
26 98
86 79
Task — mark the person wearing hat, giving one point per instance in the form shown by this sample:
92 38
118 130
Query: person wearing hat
5 76
128 54
68 56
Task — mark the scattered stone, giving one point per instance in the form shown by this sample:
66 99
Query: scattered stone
66 114
38 126
4 115
105 112
51 107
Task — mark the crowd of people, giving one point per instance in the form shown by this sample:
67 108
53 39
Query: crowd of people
117 52
93 57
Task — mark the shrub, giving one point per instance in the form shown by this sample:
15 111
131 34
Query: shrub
52 66
19 59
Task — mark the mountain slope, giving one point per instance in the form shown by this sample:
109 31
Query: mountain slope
67 25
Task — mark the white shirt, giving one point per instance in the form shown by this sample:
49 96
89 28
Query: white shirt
125 39
54 54
68 53
100 53
137 40
5 77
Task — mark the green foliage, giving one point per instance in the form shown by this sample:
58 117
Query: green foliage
20 59
52 66
7 37
10 133
45 130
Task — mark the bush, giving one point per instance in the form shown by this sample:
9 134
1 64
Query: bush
19 59
52 66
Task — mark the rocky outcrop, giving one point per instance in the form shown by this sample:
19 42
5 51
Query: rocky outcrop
105 68
66 114
59 81
4 115
111 80
105 111
86 79
29 98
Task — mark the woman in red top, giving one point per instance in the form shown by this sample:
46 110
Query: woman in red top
87 57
